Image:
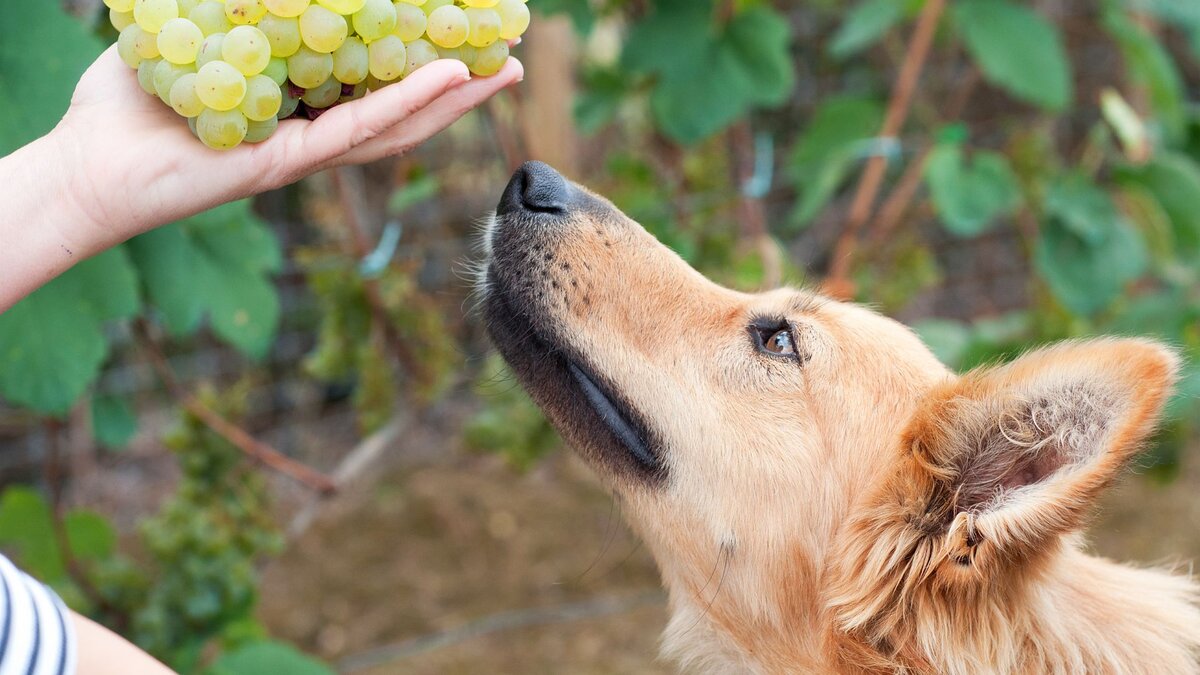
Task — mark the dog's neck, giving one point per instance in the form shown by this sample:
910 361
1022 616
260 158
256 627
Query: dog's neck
1080 614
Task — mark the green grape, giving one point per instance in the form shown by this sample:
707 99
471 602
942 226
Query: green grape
127 45
245 12
485 26
410 22
210 17
247 49
430 5
283 33
288 107
376 19
490 59
360 90
287 8
323 95
308 69
220 86
323 30
146 45
145 75
351 61
415 3
120 20
186 6
465 53
448 26
480 3
263 99
277 70
119 5
179 41
165 75
152 14
344 7
420 53
514 18
387 58
210 49
257 132
375 84
183 96
221 130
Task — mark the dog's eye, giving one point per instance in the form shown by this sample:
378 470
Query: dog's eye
780 343
775 338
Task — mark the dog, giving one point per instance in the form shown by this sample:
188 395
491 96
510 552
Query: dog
821 494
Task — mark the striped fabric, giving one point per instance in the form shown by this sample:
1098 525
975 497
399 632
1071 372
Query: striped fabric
36 637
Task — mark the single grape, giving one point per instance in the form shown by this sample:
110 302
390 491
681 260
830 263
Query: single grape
356 92
210 17
221 130
465 53
247 49
120 20
119 5
152 14
430 5
283 33
165 75
490 59
420 53
287 8
186 6
127 45
146 45
410 22
387 58
183 96
288 107
416 3
448 26
323 95
245 12
179 41
514 18
376 19
375 84
277 71
257 132
351 61
221 86
344 7
307 68
480 3
210 49
145 75
263 99
323 30
485 26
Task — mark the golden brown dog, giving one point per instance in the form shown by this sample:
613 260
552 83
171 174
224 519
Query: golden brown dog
821 494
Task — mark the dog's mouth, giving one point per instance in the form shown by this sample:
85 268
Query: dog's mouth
597 421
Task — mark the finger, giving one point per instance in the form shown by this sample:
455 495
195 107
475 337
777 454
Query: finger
346 126
436 116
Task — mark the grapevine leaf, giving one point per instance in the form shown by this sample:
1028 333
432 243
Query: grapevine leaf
1083 208
827 150
217 263
113 422
27 527
864 25
1151 65
1018 50
970 195
52 343
267 657
1174 181
43 51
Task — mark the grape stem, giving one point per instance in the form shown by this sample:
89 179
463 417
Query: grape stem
838 283
237 436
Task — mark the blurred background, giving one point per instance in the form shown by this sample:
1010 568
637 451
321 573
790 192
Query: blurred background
273 439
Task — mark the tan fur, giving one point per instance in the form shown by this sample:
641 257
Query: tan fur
866 511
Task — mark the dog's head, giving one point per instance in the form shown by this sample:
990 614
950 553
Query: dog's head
805 470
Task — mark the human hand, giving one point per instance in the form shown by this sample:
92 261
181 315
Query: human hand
133 164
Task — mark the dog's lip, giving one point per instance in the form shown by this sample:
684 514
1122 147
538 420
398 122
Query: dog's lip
611 415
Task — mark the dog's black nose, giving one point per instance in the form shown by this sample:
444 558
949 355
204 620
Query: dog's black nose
535 187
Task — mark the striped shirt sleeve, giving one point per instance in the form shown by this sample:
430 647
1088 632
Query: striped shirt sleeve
36 634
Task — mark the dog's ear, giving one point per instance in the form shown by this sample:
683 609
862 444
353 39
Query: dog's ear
1009 458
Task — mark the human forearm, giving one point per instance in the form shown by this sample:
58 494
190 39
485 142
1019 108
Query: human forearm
102 652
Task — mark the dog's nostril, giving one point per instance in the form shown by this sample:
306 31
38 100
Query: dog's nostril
536 187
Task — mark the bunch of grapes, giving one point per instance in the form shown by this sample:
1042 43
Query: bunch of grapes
234 68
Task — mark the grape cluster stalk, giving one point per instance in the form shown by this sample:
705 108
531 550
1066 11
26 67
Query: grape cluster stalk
235 68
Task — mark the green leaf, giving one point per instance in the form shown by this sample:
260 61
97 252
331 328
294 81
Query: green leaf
1087 269
413 192
828 149
26 526
970 195
603 91
580 12
268 657
43 51
1174 181
1018 50
91 536
52 343
218 263
864 25
948 340
113 422
1151 65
